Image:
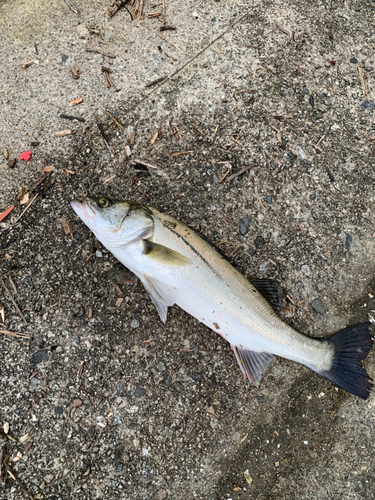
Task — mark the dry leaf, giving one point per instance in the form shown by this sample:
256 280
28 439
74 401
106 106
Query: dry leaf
119 301
128 151
28 445
66 226
17 457
48 169
76 403
8 257
62 133
6 427
131 138
25 199
154 137
6 154
76 101
24 438
69 171
21 193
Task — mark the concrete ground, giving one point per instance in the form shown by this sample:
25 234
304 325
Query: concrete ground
115 403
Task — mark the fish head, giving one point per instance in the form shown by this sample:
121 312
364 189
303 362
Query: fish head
114 222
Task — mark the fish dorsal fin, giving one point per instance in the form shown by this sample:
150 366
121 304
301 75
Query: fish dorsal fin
253 364
164 255
162 295
271 291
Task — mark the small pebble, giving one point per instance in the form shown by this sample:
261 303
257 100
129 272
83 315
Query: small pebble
64 57
139 392
365 106
39 357
160 366
134 323
301 153
263 266
251 251
259 242
353 60
306 270
348 242
318 306
98 253
268 199
327 102
244 226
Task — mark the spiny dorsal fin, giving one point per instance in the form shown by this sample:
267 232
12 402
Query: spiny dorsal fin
271 291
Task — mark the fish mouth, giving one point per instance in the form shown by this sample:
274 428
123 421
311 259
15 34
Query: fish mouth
83 208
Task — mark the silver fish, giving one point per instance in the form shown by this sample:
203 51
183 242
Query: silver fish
178 266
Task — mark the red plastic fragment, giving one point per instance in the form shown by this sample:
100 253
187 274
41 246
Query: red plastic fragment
7 211
26 155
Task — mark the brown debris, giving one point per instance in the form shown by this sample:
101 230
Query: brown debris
112 118
63 133
6 154
106 72
12 163
155 81
29 63
167 28
76 101
131 138
75 72
242 171
66 226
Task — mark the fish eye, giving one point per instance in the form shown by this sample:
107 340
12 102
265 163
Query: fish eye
104 203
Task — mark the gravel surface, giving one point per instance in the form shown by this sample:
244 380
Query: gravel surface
101 399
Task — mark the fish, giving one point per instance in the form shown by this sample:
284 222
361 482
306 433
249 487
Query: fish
177 265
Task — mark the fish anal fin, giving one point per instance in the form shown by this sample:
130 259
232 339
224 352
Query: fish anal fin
271 291
164 255
161 294
253 364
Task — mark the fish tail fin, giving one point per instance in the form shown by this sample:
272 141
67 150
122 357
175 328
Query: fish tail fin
350 346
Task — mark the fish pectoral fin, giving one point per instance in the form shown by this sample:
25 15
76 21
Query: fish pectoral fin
271 291
162 295
164 255
253 364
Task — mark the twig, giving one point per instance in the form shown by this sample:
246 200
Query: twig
161 36
14 334
70 117
144 163
72 7
235 250
96 51
283 30
112 117
20 484
242 171
362 80
12 299
167 28
13 285
196 128
27 207
2 449
156 81
100 127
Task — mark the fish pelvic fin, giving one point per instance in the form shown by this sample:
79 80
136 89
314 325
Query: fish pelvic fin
350 346
253 364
